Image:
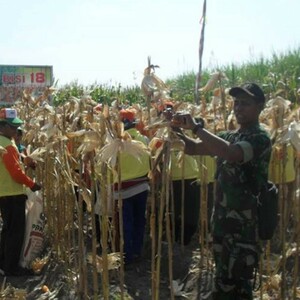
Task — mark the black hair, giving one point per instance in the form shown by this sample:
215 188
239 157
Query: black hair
128 124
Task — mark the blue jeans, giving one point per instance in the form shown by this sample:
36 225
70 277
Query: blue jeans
134 220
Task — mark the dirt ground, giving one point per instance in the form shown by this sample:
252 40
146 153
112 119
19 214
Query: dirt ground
137 278
192 278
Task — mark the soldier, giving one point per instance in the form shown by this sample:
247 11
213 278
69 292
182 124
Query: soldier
242 156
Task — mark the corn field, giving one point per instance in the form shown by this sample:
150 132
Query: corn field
77 148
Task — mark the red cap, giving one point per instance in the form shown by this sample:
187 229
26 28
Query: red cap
127 114
164 105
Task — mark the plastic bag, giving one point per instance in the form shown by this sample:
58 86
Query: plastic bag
267 210
34 231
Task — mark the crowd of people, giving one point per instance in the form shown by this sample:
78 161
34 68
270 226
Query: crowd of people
241 157
231 159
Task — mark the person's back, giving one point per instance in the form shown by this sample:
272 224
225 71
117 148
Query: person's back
133 190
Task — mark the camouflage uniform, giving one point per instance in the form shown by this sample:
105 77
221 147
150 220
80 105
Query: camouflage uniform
235 217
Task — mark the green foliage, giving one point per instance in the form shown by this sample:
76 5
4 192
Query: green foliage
100 93
279 74
183 87
70 90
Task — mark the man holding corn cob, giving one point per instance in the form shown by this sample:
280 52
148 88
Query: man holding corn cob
242 158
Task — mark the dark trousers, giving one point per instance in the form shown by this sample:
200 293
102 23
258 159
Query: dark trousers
191 208
192 192
13 230
134 220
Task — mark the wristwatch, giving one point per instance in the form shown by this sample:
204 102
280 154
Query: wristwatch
199 125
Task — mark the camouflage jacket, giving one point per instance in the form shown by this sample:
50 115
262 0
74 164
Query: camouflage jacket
238 184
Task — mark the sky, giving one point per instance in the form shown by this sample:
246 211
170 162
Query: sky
109 41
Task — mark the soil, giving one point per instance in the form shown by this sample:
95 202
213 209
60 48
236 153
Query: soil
137 278
191 274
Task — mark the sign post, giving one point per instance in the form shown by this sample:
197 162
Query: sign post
14 79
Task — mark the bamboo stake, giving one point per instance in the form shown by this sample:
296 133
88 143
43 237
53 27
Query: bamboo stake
51 212
70 225
182 202
160 229
283 227
167 164
82 263
66 203
268 243
60 219
104 230
297 233
223 103
121 232
149 97
201 48
154 192
94 235
173 226
70 208
115 227
203 211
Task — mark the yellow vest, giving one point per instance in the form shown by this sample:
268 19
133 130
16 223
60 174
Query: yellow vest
131 166
207 168
8 187
282 165
183 166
